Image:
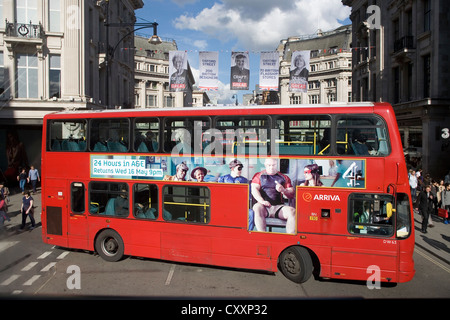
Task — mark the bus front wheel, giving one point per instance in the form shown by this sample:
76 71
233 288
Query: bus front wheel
109 245
296 264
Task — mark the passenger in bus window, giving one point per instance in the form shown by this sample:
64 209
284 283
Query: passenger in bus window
121 204
235 175
269 187
198 174
180 174
359 145
146 143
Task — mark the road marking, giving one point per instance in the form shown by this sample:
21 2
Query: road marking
432 260
10 280
45 255
29 266
48 267
63 255
31 280
7 244
170 275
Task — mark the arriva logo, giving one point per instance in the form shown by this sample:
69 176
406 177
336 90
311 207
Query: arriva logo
327 197
307 197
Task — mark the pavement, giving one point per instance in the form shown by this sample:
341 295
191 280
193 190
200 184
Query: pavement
12 227
435 244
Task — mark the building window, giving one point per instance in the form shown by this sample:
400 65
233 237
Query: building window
55 76
2 76
27 11
151 101
427 15
410 81
27 76
396 85
426 76
168 101
314 99
331 97
54 19
295 99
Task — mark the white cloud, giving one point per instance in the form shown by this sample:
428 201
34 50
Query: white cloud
200 44
261 24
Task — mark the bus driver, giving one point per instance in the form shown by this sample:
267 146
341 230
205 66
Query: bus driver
268 188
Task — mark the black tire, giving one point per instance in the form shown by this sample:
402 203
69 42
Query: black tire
109 245
296 264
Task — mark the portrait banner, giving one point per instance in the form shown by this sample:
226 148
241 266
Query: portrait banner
178 71
299 72
209 70
240 71
269 70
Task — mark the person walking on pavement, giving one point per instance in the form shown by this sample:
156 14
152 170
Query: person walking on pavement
425 206
445 197
22 178
3 215
27 210
33 178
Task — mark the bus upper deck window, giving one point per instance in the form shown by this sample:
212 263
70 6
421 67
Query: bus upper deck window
304 135
146 135
67 135
362 135
109 135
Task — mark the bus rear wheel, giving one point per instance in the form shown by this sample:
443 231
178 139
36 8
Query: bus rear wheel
296 264
109 245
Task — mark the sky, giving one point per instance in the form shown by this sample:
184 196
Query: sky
238 25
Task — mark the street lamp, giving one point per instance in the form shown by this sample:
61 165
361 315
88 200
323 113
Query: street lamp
155 40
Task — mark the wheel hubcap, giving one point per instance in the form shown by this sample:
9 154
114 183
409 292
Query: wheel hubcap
291 263
110 246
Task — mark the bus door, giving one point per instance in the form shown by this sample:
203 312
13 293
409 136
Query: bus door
55 203
77 222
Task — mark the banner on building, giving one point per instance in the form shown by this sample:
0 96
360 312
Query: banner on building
208 70
269 66
299 72
240 71
178 71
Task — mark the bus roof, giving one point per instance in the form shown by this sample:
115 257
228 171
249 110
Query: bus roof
258 109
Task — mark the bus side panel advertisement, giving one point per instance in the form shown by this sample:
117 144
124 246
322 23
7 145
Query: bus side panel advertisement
272 181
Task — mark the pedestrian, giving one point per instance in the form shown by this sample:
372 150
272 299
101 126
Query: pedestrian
445 197
3 215
22 178
413 185
33 178
425 206
27 210
4 191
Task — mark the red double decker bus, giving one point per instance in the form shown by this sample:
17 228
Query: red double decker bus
305 189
